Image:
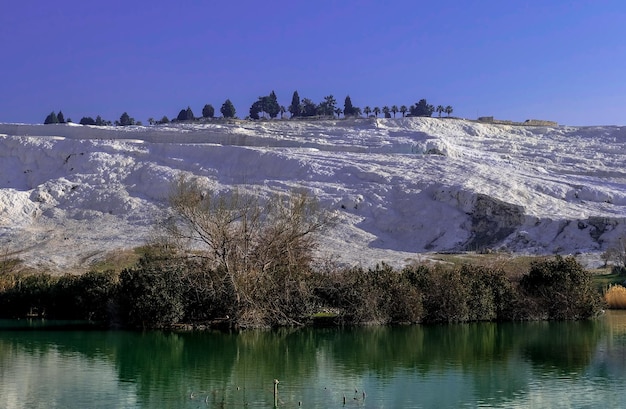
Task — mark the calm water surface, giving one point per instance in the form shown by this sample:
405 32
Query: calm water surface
536 365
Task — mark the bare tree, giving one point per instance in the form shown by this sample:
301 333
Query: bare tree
259 246
617 255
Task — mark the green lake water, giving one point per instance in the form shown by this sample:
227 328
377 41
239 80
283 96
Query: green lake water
520 365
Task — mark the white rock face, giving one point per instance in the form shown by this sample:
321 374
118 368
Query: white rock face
401 187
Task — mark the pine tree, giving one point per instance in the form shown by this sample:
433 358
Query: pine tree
273 107
208 111
51 119
185 115
126 120
422 108
87 120
60 117
256 108
309 108
348 109
228 109
294 108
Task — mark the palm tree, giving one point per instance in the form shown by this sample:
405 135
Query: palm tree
376 111
394 109
386 111
448 110
151 121
403 109
367 110
439 110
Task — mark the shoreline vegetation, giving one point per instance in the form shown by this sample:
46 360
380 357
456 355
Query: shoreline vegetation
165 292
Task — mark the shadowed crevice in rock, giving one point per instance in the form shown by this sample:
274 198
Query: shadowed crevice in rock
492 221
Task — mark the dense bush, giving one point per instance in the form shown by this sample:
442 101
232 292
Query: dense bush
84 297
29 295
445 294
166 288
560 289
151 295
380 295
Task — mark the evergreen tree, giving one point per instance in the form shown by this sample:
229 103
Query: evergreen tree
309 108
228 109
87 120
422 108
125 120
208 111
164 120
185 115
272 107
348 109
51 118
60 117
327 107
256 108
294 108
99 121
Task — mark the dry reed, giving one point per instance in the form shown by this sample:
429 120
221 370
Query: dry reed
615 297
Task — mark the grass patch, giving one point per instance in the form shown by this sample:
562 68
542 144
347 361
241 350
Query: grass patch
118 260
603 279
512 265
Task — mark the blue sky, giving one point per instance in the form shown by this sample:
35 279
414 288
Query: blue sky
557 60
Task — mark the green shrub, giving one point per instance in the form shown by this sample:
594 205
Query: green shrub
491 294
96 291
560 289
379 295
150 296
65 298
29 295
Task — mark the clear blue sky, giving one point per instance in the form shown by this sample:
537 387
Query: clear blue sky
558 60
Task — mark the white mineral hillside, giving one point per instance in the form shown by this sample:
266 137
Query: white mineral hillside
401 187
